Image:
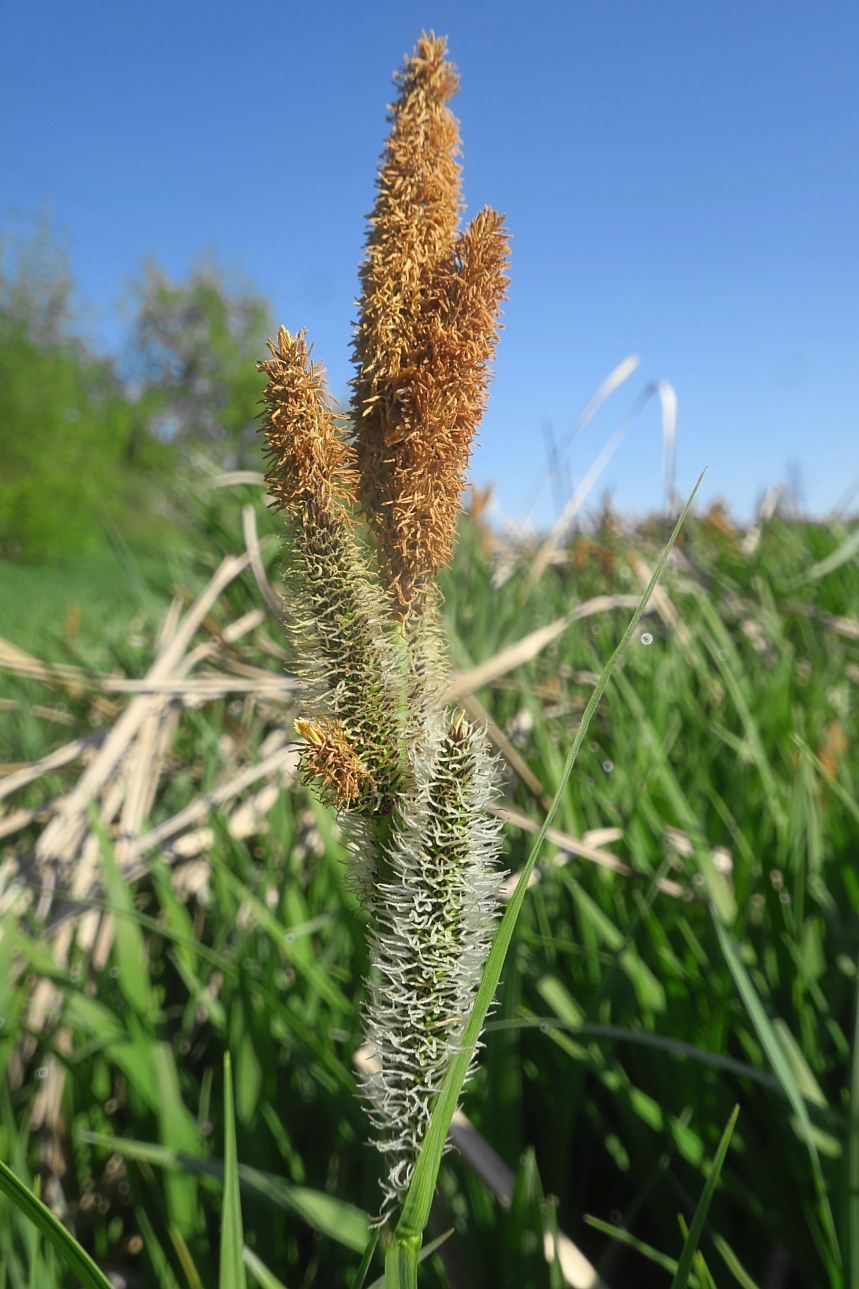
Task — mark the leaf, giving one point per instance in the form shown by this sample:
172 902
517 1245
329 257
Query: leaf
129 947
344 1223
232 1239
852 1222
265 1279
76 1258
684 1266
416 1208
364 1266
157 1256
632 1242
839 556
781 1067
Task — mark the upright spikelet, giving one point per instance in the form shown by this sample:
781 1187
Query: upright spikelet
426 331
346 649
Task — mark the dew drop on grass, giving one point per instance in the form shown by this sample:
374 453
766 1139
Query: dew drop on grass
114 972
596 629
608 766
42 1072
647 739
724 655
646 638
784 898
544 1028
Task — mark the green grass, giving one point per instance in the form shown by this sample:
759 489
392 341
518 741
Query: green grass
736 727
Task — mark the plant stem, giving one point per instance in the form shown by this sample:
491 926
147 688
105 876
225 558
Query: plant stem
401 1260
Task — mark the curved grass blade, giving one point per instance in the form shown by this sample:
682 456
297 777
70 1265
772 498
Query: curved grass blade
632 1242
839 556
157 1256
76 1258
416 1208
232 1273
852 1227
344 1223
361 1274
672 1047
690 1244
770 1043
265 1279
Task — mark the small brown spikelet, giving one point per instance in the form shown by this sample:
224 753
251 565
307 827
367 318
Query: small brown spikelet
427 330
311 466
329 760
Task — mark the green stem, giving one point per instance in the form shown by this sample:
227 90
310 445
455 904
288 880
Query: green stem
401 1260
384 871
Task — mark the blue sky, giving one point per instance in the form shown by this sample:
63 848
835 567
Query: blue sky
681 178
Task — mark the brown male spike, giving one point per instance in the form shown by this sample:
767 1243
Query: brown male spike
311 466
427 329
346 650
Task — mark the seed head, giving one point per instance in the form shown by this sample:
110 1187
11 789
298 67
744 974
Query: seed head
426 332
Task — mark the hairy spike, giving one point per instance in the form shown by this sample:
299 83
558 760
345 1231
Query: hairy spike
347 651
436 922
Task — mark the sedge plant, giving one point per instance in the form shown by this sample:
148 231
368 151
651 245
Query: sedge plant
370 510
370 504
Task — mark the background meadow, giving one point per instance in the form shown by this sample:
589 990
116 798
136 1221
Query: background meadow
691 942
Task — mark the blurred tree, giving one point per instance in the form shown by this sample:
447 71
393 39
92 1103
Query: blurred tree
65 418
194 349
84 439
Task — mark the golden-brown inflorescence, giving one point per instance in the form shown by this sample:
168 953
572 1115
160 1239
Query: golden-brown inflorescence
329 760
347 650
426 332
311 466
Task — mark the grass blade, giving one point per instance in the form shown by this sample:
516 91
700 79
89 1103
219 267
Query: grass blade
416 1207
853 1162
632 1242
76 1258
773 1048
690 1245
344 1223
157 1256
232 1239
361 1274
265 1279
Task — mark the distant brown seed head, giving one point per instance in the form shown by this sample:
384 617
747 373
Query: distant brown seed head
426 332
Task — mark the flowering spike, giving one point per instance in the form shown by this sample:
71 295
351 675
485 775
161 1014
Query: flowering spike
426 332
435 925
329 759
346 650
411 783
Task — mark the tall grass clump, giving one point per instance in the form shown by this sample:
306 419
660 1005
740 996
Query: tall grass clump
411 778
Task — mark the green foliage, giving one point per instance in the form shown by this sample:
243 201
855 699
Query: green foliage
65 427
194 348
87 443
622 1038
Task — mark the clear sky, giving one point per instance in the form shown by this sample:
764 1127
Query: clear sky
681 178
